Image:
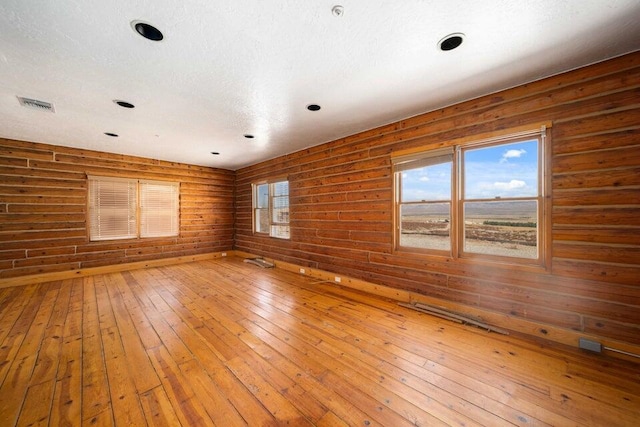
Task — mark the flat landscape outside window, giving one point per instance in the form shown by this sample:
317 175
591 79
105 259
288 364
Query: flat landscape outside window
500 203
478 200
425 201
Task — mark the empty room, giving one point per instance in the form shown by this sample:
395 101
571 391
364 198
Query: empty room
310 213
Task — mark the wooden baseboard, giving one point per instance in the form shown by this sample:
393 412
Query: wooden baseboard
527 327
62 275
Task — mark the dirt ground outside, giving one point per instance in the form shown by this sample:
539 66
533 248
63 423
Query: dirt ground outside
514 241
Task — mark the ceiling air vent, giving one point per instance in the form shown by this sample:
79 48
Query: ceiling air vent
35 104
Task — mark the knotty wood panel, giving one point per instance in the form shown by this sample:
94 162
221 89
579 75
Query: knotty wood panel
43 204
226 343
341 204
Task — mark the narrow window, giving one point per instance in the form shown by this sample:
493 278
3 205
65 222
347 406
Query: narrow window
261 208
271 209
424 205
280 209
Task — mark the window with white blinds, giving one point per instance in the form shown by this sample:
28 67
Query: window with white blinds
158 209
112 208
129 208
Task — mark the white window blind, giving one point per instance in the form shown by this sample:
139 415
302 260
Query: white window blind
112 208
158 209
420 160
128 208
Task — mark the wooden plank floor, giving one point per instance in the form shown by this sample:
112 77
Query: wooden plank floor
227 343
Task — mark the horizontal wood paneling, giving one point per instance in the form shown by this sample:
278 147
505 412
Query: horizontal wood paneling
43 208
341 204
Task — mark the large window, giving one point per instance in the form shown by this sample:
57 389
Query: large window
477 200
129 208
271 209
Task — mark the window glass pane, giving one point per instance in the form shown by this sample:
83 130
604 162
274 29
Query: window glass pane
426 183
502 228
158 209
261 205
262 220
280 214
280 231
112 208
262 196
281 188
280 209
507 170
426 226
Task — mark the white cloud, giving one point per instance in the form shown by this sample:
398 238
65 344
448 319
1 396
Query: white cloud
511 185
424 179
512 154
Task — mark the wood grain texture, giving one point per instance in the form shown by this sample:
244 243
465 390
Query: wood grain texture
225 343
341 204
341 207
43 204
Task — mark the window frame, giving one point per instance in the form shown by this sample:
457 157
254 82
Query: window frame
457 228
139 234
414 161
273 224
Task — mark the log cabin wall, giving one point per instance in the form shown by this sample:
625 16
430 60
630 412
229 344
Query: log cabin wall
341 205
43 206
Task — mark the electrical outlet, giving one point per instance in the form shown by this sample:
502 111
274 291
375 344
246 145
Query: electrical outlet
590 345
302 271
337 279
224 254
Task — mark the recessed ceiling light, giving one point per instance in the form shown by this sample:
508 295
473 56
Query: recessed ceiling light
147 31
248 136
451 41
215 153
115 135
337 10
124 104
313 107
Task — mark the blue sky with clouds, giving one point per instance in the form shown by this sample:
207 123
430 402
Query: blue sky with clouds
507 170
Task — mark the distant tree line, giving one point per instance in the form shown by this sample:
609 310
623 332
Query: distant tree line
511 224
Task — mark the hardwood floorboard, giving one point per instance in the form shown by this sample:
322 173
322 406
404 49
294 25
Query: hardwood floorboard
355 352
67 403
225 343
157 408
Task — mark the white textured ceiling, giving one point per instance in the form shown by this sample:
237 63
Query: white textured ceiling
235 67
